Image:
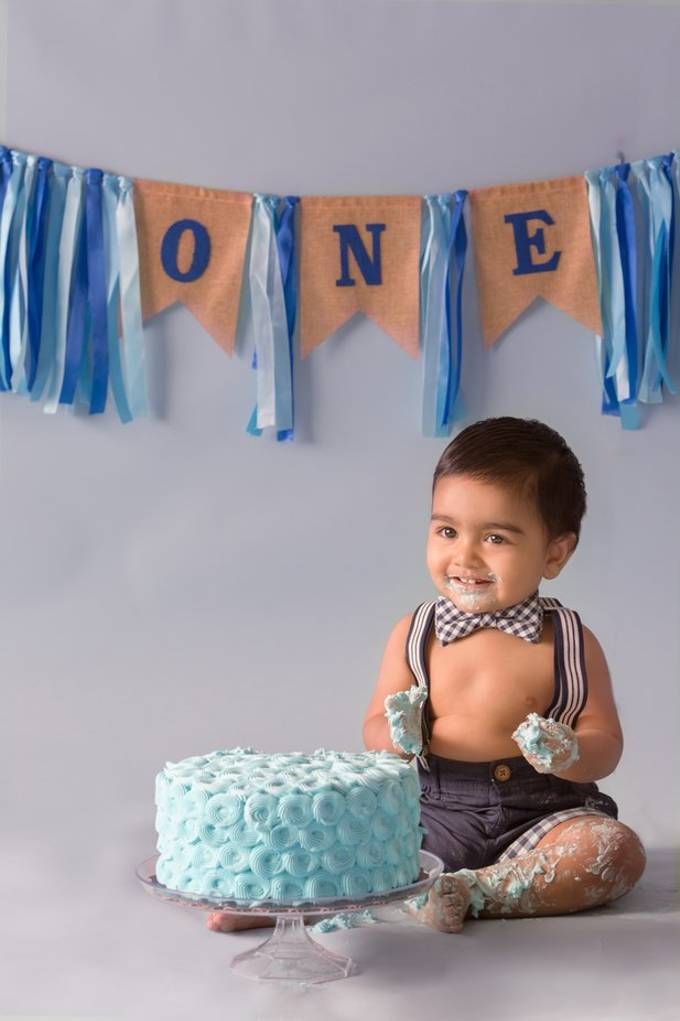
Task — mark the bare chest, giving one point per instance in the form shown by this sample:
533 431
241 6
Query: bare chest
491 675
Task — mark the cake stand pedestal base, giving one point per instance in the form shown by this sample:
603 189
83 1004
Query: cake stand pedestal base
290 953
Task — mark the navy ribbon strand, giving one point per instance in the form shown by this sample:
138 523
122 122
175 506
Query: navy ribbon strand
285 243
459 247
96 279
625 230
78 319
37 235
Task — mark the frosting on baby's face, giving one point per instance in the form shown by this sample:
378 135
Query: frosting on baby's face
487 546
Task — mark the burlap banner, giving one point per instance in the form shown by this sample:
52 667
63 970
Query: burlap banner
192 244
359 254
533 241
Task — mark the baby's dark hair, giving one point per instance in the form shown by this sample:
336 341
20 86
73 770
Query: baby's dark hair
529 457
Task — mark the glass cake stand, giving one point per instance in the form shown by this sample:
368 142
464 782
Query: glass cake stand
290 953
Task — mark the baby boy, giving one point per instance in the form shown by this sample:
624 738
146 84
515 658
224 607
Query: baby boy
504 696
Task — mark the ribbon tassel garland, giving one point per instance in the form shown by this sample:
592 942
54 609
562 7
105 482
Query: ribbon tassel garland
70 275
272 296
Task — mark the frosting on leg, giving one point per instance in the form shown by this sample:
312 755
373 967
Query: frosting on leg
579 864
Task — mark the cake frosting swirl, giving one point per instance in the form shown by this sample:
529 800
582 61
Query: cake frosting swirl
244 825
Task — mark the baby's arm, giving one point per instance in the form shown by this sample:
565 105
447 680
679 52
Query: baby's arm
394 683
597 737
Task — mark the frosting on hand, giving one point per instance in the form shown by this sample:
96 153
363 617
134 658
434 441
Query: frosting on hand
549 746
403 710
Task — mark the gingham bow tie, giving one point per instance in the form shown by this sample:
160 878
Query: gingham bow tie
525 620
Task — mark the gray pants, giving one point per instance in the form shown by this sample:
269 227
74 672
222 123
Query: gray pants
475 812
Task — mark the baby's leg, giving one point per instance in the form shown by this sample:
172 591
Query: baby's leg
580 863
223 921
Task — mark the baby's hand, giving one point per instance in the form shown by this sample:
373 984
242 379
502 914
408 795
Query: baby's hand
549 746
403 712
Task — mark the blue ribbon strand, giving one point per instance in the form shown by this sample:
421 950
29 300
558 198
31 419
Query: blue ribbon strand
78 326
272 318
443 249
285 242
67 272
57 184
625 229
110 196
37 232
656 201
613 346
130 300
19 259
459 242
96 281
9 256
6 170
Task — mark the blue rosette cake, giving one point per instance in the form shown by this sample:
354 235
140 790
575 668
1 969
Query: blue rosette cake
243 825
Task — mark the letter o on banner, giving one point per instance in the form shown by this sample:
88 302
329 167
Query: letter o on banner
170 248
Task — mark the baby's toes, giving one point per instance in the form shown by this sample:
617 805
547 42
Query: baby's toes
220 921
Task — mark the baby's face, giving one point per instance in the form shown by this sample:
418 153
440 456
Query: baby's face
487 546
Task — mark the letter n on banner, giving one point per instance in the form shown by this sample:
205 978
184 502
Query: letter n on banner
360 254
533 241
192 244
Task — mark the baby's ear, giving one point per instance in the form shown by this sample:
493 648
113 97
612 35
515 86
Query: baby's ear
558 553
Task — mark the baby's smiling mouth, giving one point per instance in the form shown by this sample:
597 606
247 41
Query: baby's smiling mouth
468 580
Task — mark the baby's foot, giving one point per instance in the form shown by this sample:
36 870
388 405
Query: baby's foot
446 905
222 921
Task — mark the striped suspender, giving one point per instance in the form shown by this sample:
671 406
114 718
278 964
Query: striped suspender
422 622
571 682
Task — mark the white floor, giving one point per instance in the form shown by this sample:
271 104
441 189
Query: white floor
109 950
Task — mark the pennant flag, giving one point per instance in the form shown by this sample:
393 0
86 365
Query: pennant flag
359 254
533 240
192 244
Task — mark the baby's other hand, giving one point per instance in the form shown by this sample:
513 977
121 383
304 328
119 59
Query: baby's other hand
549 746
403 711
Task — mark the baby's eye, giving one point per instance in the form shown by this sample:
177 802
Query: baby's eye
446 532
499 537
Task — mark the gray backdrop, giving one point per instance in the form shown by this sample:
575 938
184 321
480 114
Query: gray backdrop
175 586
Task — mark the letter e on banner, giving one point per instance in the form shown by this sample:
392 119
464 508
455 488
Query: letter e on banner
533 241
525 241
